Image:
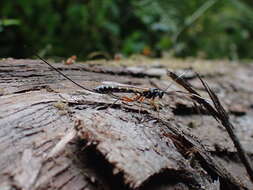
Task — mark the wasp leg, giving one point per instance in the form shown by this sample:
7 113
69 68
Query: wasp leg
117 99
141 99
135 98
127 99
114 102
153 103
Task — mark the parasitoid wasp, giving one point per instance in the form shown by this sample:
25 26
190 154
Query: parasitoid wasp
140 93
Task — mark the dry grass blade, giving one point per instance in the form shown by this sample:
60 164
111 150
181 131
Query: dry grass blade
182 82
194 94
219 113
223 115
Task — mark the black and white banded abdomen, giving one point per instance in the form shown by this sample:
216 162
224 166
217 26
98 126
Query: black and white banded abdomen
106 89
150 93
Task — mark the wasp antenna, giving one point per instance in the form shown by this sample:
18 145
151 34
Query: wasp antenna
61 73
165 90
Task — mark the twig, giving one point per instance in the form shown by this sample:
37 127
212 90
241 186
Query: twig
220 114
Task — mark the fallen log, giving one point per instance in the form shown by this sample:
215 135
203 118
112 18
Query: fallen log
54 136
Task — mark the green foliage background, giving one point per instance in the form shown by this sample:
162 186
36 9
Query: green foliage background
202 28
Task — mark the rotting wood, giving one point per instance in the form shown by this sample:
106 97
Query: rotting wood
219 113
120 145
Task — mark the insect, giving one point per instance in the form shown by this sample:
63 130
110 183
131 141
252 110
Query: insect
140 93
149 93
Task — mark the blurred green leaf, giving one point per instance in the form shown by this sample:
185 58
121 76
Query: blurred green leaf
215 29
9 22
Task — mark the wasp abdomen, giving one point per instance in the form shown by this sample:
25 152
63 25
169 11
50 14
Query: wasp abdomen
105 89
147 93
153 93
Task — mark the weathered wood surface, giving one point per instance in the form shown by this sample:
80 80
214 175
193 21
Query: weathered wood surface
55 136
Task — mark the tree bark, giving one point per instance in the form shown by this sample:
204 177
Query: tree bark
55 135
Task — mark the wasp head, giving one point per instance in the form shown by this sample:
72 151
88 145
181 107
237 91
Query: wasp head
155 92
